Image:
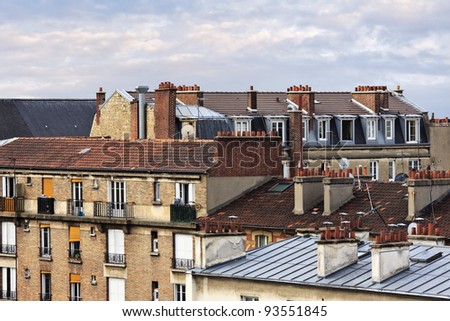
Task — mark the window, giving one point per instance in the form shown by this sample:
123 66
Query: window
77 197
74 243
184 257
347 129
156 192
305 129
116 289
389 129
8 187
8 238
179 292
116 247
261 240
372 127
278 127
412 131
322 129
184 194
374 170
45 249
154 240
280 187
9 283
242 126
249 298
117 198
413 164
155 291
46 289
391 171
75 287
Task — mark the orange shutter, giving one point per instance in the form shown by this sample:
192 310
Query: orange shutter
75 278
74 234
47 187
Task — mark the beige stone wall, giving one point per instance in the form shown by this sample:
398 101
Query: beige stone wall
440 145
115 119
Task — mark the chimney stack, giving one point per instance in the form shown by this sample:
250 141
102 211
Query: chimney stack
142 120
335 254
252 99
303 96
100 99
190 95
375 98
308 192
165 111
336 192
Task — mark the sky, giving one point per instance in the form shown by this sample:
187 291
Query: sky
68 49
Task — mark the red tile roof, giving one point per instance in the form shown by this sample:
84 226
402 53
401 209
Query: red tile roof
439 213
107 155
263 209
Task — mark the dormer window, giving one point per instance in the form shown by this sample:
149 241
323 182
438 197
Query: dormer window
278 125
242 125
412 130
347 127
389 128
372 128
323 127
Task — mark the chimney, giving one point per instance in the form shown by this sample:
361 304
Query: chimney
252 99
422 184
335 254
296 139
141 116
336 192
426 233
399 90
389 256
375 98
308 192
217 243
100 99
190 95
165 111
303 96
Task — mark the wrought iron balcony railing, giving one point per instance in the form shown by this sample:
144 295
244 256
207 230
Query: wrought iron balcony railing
186 264
8 249
8 295
113 209
75 207
115 258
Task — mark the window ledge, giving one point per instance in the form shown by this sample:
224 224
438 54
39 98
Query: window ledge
45 258
157 203
154 253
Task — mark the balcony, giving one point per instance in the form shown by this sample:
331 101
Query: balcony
115 258
8 295
113 210
74 256
46 205
8 249
75 207
45 296
182 213
184 264
12 204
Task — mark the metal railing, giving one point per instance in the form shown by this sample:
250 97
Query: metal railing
113 210
74 255
45 296
75 207
46 205
115 258
8 295
182 213
8 249
186 264
12 204
45 251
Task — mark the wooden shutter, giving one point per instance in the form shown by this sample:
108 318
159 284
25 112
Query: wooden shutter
74 234
47 187
75 278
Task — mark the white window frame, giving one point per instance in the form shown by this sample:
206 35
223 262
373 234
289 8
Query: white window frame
185 193
391 121
242 125
46 285
305 125
372 128
374 169
413 164
157 191
45 242
323 126
412 124
259 238
75 291
391 169
9 282
179 292
8 186
116 289
117 196
352 121
77 197
116 242
8 233
154 240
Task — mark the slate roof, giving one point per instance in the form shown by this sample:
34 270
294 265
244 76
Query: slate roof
261 208
64 153
46 117
294 261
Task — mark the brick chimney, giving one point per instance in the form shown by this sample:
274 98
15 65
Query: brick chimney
165 111
100 99
308 192
296 139
375 98
336 192
190 95
252 99
303 96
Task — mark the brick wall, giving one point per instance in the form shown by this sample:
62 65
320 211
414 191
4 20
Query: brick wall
302 96
373 97
165 111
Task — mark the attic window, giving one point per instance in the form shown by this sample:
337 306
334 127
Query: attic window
84 151
426 257
279 187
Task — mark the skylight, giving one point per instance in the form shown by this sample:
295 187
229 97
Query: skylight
280 187
84 151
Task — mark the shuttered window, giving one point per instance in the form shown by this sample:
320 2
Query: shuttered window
116 289
74 234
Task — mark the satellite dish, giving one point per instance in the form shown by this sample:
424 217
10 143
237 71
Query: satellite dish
401 177
187 131
344 163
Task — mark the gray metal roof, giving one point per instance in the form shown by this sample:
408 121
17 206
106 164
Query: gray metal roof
294 261
194 111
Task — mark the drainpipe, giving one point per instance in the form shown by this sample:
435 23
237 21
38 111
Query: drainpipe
141 90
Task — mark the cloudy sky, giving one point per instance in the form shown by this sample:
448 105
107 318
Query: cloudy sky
61 48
